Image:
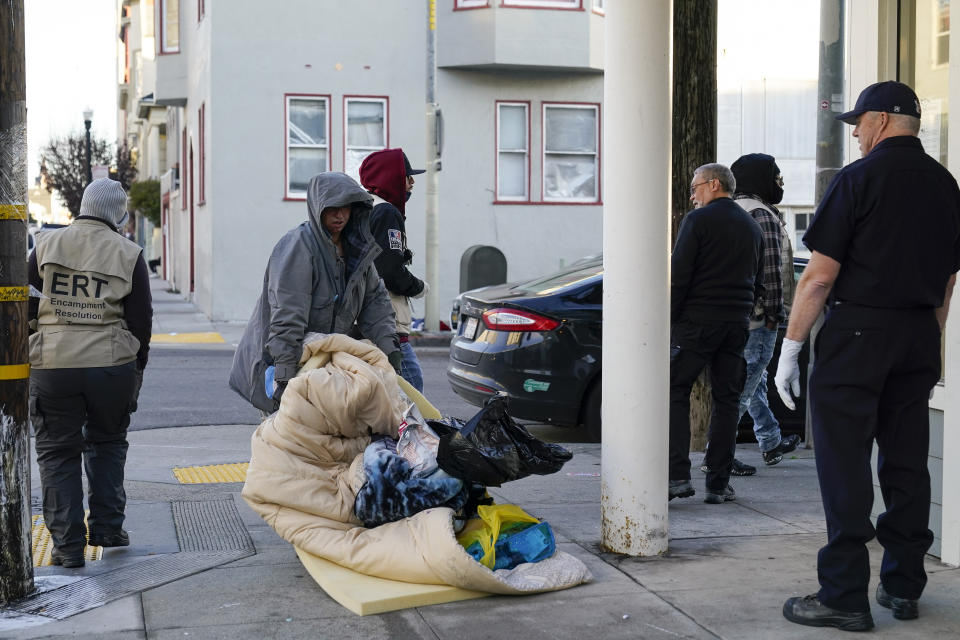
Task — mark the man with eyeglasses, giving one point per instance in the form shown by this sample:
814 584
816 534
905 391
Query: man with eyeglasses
716 278
759 190
886 250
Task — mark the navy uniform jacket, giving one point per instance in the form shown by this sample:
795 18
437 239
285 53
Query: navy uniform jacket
892 221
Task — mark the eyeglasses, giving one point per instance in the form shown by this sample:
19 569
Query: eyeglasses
693 187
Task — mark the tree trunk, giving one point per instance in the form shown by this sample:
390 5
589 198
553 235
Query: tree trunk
694 139
16 578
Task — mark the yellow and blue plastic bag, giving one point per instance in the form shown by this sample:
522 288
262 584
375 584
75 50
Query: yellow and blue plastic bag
505 535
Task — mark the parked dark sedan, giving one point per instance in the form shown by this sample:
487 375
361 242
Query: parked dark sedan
539 342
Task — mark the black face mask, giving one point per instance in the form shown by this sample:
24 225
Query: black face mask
407 198
776 191
776 194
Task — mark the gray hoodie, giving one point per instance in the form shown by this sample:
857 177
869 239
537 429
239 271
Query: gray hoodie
306 288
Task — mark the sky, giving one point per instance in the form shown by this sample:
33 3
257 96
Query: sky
71 63
767 38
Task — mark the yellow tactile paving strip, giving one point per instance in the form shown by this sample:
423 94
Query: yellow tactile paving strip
233 472
209 337
42 545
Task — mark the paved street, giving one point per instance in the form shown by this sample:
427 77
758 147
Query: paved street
726 575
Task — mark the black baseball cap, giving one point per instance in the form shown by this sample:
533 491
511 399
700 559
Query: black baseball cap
889 96
410 170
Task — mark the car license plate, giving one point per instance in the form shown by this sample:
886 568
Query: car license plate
470 328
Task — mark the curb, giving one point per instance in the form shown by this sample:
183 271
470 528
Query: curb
439 339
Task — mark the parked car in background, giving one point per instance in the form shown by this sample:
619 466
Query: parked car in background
539 342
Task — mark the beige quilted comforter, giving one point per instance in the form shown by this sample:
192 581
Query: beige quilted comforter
306 467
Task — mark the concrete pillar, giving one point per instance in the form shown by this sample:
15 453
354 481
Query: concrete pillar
636 298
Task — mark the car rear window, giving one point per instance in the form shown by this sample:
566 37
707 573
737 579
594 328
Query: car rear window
559 281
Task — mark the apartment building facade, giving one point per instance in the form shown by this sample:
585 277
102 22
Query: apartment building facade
237 112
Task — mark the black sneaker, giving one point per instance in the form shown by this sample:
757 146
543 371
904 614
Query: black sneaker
736 469
740 469
118 539
66 559
811 612
679 489
786 445
726 495
903 608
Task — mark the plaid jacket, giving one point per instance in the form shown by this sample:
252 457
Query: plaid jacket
771 306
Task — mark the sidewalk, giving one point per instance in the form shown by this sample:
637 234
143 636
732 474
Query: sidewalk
726 575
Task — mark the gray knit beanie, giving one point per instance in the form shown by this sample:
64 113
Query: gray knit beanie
105 199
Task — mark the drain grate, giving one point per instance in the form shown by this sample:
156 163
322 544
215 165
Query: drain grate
210 533
209 525
97 591
232 472
42 545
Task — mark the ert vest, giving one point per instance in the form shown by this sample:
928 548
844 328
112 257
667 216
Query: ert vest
786 257
87 271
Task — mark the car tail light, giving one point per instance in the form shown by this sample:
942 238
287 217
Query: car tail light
516 320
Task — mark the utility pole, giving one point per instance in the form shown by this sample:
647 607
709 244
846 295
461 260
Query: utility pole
829 129
16 578
431 321
829 133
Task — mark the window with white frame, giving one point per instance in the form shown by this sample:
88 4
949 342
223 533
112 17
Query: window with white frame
941 35
544 4
513 149
365 127
308 147
571 171
598 7
470 4
169 26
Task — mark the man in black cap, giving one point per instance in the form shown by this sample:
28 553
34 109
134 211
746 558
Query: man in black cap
387 175
886 249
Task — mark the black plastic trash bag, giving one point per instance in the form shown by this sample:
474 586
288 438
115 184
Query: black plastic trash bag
492 449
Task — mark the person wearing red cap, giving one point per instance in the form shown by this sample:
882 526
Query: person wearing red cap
886 250
388 176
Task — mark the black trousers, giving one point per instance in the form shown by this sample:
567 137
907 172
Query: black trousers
82 414
871 382
692 347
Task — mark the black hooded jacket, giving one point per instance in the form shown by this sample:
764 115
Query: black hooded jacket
383 174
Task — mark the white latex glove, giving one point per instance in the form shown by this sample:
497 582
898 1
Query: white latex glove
426 287
788 372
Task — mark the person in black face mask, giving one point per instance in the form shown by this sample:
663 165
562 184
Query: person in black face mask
759 188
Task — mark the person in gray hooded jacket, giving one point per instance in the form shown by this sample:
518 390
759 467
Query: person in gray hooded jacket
320 277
